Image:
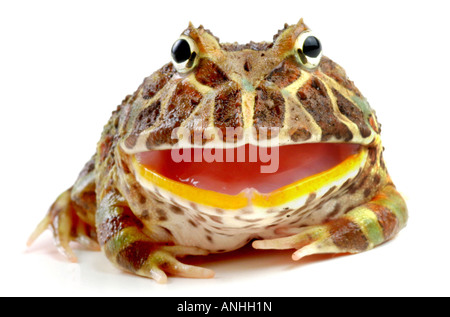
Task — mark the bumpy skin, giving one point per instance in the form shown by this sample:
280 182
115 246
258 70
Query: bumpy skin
143 231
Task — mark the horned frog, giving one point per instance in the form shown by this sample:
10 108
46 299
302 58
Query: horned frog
330 192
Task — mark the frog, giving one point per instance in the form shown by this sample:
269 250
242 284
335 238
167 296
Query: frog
332 193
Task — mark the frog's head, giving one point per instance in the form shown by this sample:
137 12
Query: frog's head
240 97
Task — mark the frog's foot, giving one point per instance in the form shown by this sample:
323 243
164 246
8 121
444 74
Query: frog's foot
66 227
148 259
360 229
125 244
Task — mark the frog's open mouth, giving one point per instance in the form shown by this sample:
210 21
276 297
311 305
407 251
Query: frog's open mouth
231 171
285 172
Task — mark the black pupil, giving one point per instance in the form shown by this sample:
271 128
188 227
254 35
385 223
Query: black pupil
181 51
312 47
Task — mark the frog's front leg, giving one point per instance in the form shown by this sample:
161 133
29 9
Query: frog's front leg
72 215
125 244
360 229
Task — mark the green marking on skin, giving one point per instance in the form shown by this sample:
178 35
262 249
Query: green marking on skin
363 105
365 108
122 239
368 223
247 85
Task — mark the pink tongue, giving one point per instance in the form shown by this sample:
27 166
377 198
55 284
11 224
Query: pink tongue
283 165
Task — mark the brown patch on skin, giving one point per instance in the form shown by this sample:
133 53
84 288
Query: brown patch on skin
199 218
347 235
315 100
217 219
180 106
145 215
228 112
114 225
387 219
157 80
194 206
285 73
348 109
300 134
207 230
376 179
247 66
144 120
269 110
209 74
333 70
162 216
141 198
192 223
134 256
176 210
346 183
382 164
124 167
131 141
372 155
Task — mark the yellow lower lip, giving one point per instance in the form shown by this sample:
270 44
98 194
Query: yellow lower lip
278 197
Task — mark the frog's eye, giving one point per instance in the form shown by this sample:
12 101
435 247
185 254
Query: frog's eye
184 54
309 49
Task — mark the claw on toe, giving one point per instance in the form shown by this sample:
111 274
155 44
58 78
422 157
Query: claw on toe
163 262
314 240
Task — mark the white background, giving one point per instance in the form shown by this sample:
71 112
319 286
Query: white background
64 66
